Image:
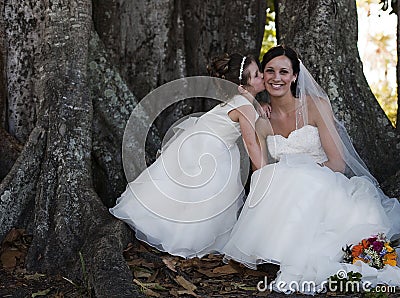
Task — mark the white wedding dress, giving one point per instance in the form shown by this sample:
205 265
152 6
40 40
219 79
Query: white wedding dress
300 215
187 201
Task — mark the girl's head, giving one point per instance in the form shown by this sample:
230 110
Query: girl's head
239 69
292 58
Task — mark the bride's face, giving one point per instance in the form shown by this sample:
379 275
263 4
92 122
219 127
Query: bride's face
278 76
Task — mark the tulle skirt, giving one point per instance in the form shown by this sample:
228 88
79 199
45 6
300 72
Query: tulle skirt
300 215
187 201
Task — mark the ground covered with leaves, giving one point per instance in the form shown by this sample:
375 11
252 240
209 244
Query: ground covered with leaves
156 274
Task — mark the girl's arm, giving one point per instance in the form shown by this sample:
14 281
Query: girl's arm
246 118
263 129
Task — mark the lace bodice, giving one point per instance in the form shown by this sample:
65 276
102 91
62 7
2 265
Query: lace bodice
304 140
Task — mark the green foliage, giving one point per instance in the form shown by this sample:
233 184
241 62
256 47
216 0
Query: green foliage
380 58
387 98
269 39
85 289
375 294
385 5
344 284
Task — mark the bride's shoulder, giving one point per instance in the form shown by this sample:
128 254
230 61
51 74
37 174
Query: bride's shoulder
318 106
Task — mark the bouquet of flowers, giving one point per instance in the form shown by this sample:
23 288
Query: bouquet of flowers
376 251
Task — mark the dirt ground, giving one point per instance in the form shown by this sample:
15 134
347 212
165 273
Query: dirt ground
156 274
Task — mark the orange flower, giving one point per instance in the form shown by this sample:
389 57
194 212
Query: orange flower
365 243
390 258
357 250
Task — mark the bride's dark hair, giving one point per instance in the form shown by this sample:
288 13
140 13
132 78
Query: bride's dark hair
228 67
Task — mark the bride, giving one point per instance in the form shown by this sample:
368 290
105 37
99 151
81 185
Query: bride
317 197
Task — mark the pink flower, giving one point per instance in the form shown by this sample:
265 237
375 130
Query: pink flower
377 245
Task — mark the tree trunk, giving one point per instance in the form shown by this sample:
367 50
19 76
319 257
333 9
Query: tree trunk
154 42
3 84
54 170
67 101
22 37
398 65
324 32
9 152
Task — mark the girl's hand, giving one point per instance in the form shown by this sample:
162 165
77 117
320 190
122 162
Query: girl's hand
267 109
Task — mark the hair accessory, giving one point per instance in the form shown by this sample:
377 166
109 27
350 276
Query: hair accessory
241 68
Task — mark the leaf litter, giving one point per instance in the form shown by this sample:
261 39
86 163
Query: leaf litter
171 276
155 273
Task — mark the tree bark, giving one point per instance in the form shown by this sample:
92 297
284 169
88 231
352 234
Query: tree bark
324 32
22 38
154 42
113 103
54 170
68 103
3 80
10 149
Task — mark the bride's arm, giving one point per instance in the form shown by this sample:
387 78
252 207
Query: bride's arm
330 140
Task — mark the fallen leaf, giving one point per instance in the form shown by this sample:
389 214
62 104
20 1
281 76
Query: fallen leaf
141 272
153 276
185 283
13 235
140 263
250 272
35 276
187 292
146 290
225 270
170 263
190 263
247 288
129 247
207 272
174 292
243 286
151 293
41 293
9 258
142 248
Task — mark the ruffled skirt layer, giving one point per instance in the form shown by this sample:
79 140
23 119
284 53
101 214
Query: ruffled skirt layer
187 201
300 215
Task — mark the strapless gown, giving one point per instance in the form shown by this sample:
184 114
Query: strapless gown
187 201
300 215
